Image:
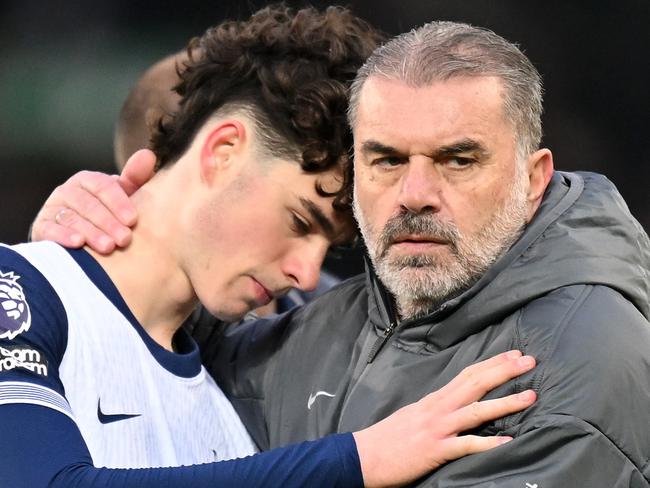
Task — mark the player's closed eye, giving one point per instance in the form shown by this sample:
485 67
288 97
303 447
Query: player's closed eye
299 225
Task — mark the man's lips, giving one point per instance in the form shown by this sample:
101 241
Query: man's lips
416 244
418 239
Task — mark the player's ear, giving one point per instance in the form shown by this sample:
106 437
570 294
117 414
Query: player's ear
220 148
540 170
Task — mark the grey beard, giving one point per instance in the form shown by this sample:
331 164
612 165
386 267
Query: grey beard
421 283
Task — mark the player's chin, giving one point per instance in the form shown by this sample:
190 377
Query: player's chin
234 311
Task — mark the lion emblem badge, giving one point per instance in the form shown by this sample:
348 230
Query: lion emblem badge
15 316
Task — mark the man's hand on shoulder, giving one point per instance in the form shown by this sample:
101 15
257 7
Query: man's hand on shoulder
93 208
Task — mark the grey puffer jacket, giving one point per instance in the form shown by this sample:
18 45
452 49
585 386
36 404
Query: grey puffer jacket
573 292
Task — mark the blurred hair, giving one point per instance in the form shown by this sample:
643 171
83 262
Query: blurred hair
151 98
439 51
290 72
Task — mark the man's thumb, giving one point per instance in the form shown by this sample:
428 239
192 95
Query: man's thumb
137 171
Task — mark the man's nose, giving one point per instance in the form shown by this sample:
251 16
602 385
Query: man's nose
420 186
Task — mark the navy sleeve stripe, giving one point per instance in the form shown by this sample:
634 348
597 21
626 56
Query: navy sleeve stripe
19 392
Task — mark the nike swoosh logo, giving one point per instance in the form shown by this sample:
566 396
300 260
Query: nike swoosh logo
314 396
108 418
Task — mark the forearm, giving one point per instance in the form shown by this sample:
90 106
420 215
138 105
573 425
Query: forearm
48 450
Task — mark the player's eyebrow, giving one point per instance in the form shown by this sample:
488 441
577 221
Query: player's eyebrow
318 215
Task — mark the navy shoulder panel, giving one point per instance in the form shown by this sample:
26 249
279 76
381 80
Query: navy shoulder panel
33 324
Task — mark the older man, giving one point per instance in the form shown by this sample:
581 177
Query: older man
475 246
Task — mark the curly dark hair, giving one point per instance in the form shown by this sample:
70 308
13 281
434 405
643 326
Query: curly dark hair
291 72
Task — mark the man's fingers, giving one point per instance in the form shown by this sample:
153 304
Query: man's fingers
478 413
91 204
478 379
67 218
63 235
137 171
88 212
104 197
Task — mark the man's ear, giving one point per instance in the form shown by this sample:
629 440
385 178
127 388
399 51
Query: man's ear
221 146
540 172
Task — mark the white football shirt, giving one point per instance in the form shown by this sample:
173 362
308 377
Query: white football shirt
77 348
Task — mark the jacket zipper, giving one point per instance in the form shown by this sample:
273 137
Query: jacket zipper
381 341
389 331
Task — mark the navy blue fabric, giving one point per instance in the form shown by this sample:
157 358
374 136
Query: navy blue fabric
185 362
47 334
43 448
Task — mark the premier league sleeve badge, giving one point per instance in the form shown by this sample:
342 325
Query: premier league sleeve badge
15 317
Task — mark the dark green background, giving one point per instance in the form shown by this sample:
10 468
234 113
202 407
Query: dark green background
66 66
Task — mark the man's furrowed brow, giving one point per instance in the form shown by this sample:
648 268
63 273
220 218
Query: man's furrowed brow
318 215
460 147
376 147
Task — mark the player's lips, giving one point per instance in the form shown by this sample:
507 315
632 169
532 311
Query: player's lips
262 294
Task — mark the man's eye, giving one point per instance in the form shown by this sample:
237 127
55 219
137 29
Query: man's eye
458 162
387 161
299 225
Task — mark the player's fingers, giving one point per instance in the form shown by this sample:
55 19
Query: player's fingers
86 206
502 360
458 447
94 237
137 171
476 380
478 413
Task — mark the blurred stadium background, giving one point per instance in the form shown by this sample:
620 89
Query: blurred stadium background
66 67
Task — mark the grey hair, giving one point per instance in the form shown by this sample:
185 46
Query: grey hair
438 51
